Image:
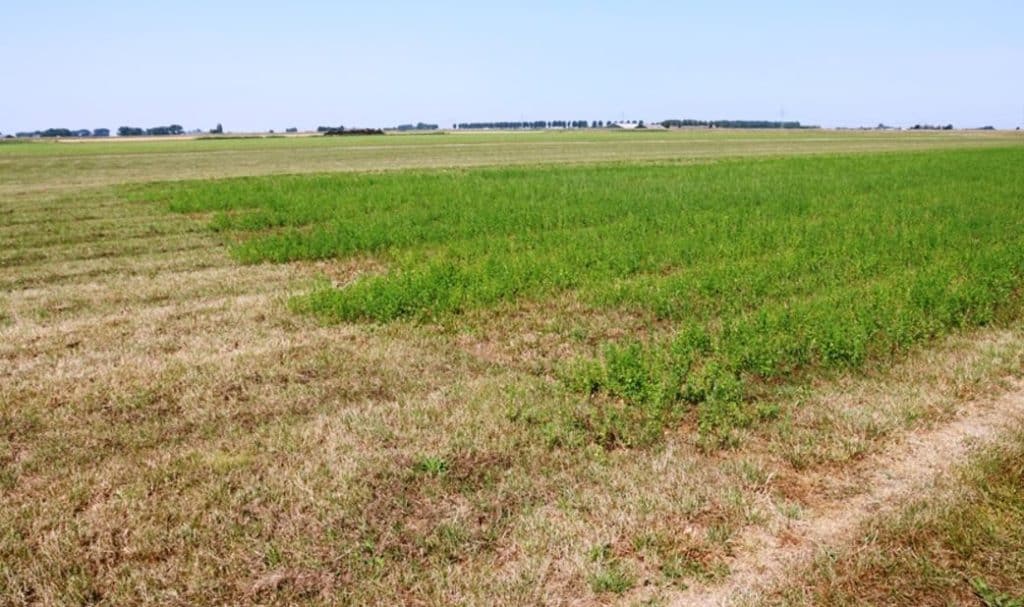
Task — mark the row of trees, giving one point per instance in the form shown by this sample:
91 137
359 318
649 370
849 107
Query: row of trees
354 132
156 131
600 124
733 124
162 131
534 124
419 126
65 133
931 127
124 131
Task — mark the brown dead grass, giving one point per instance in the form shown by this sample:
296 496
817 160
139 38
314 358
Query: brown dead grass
875 486
171 433
966 526
540 336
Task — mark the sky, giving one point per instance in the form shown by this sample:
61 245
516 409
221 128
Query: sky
255 66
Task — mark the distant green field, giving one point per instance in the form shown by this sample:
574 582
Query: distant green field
150 145
766 269
49 165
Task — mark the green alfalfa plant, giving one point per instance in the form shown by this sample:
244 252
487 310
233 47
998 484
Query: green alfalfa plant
721 410
992 598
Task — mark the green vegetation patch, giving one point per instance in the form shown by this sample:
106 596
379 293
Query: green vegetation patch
766 268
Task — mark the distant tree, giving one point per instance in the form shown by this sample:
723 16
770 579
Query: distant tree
57 133
419 126
161 131
129 131
354 132
101 133
291 129
219 130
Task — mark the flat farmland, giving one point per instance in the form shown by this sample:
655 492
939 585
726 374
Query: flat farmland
91 163
675 367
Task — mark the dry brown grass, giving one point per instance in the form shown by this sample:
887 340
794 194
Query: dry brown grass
963 528
874 486
171 433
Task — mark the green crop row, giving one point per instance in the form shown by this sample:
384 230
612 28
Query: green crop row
771 268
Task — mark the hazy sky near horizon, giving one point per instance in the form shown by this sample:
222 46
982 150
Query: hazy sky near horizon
258 65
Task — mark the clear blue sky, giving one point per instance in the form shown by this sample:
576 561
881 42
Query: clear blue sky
256 65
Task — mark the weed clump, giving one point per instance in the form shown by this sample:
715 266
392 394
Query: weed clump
612 575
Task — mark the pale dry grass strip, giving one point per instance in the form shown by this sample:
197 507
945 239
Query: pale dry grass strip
767 555
123 246
69 271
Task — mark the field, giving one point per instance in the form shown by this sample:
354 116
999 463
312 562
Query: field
684 367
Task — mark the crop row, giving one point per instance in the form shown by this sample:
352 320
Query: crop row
768 269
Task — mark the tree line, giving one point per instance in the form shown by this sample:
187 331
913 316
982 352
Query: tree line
533 124
65 133
599 124
419 126
340 130
156 131
733 124
162 131
124 131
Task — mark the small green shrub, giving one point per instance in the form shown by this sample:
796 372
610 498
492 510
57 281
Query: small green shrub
431 465
612 578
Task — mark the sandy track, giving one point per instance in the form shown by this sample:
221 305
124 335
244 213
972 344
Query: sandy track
767 554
